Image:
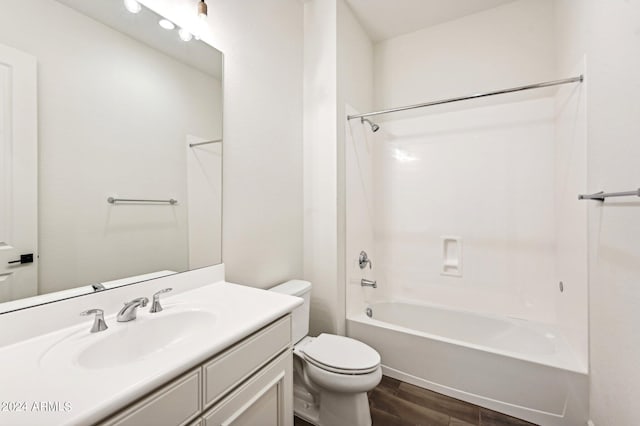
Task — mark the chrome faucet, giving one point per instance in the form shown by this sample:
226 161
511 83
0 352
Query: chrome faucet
156 306
363 260
98 322
128 312
368 283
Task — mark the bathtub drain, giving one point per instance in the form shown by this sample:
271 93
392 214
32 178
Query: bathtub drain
369 312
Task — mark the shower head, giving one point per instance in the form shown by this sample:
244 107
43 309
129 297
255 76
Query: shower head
374 126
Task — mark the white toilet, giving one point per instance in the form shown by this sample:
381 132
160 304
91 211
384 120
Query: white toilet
332 374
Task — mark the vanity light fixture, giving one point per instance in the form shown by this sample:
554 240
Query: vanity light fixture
132 6
166 24
202 9
185 35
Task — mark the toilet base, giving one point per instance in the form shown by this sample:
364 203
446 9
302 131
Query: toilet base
339 409
331 409
304 405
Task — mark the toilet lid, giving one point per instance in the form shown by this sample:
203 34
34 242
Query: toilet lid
341 354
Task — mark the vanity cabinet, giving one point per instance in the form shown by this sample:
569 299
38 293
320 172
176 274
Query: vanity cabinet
264 400
248 384
174 404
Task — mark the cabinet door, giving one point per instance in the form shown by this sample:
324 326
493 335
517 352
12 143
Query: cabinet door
174 404
237 364
265 400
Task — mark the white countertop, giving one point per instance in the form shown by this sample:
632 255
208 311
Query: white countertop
34 392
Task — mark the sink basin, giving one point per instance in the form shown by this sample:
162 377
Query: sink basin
133 341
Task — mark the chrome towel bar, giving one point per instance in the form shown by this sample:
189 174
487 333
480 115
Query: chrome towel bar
191 145
112 200
600 196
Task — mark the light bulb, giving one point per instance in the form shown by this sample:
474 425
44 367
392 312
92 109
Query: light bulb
185 35
132 6
166 24
202 9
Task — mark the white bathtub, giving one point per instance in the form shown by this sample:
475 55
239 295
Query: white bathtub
517 367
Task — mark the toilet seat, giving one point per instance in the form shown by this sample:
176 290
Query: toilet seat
343 383
341 355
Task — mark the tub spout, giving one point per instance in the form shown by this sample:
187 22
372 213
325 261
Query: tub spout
368 283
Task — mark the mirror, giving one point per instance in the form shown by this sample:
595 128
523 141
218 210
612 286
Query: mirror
110 136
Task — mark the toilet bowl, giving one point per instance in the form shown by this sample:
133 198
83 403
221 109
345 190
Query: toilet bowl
332 374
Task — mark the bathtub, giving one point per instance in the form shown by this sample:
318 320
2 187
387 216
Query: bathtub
513 366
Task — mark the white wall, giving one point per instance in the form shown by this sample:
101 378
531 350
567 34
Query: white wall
503 47
484 171
609 35
337 74
571 269
360 214
103 132
204 194
320 163
485 175
355 93
262 41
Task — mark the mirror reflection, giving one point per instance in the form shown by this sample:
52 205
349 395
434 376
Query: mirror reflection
110 136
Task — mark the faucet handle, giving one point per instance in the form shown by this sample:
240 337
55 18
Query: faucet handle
363 260
156 306
99 323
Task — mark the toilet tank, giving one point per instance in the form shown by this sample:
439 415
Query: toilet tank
300 315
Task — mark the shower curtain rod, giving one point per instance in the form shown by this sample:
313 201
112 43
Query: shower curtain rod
579 78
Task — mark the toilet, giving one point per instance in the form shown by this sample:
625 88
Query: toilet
332 374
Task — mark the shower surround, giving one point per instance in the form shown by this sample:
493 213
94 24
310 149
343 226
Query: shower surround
489 179
469 213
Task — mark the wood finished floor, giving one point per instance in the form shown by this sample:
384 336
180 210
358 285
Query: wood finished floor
395 403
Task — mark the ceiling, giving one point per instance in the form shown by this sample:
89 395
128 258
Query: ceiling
384 19
144 28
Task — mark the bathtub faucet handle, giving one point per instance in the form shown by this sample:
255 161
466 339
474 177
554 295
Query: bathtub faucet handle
363 260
